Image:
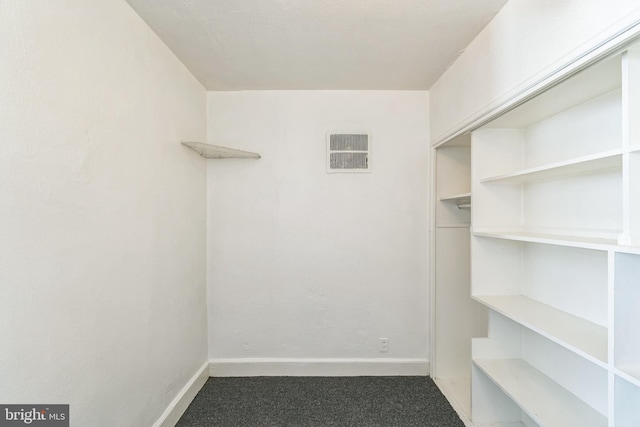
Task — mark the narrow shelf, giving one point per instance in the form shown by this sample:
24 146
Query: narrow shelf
209 151
581 336
464 197
585 242
539 396
462 201
452 225
609 160
550 239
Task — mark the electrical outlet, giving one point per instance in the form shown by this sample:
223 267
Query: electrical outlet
384 345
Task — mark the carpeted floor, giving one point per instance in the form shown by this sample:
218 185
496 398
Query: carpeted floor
319 402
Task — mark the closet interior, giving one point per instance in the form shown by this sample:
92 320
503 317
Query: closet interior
537 257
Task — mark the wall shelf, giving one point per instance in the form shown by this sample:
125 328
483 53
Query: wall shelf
609 160
576 241
545 401
209 151
578 335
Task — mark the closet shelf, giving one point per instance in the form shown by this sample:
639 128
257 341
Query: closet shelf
608 160
550 239
462 201
459 198
209 151
581 336
545 401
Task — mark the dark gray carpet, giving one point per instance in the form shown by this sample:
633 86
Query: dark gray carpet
319 402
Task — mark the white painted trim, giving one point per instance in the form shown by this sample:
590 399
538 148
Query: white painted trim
454 403
599 47
181 402
258 367
432 263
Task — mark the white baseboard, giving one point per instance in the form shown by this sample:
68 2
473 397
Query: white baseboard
180 404
259 367
453 401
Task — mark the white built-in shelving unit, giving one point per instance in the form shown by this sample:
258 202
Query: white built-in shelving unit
555 254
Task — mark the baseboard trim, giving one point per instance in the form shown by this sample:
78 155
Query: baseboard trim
454 403
259 367
181 402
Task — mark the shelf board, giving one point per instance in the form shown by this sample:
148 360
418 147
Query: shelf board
574 241
549 239
634 148
581 336
630 373
609 160
458 198
539 396
453 225
209 151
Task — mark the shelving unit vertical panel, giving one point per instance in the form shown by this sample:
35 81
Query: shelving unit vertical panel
632 192
611 263
630 97
495 152
627 402
573 280
627 314
631 139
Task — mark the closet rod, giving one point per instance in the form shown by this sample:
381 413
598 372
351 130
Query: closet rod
464 206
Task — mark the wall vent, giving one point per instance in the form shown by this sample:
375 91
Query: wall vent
348 152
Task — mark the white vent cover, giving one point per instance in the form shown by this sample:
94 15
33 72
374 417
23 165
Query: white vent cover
348 152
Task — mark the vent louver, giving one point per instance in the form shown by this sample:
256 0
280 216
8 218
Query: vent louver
348 152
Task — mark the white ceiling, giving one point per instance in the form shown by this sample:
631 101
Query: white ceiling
317 44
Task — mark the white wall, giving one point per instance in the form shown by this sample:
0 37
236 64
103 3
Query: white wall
526 40
102 230
304 264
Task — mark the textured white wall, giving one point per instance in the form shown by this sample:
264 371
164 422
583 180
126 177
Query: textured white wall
526 39
102 213
304 264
